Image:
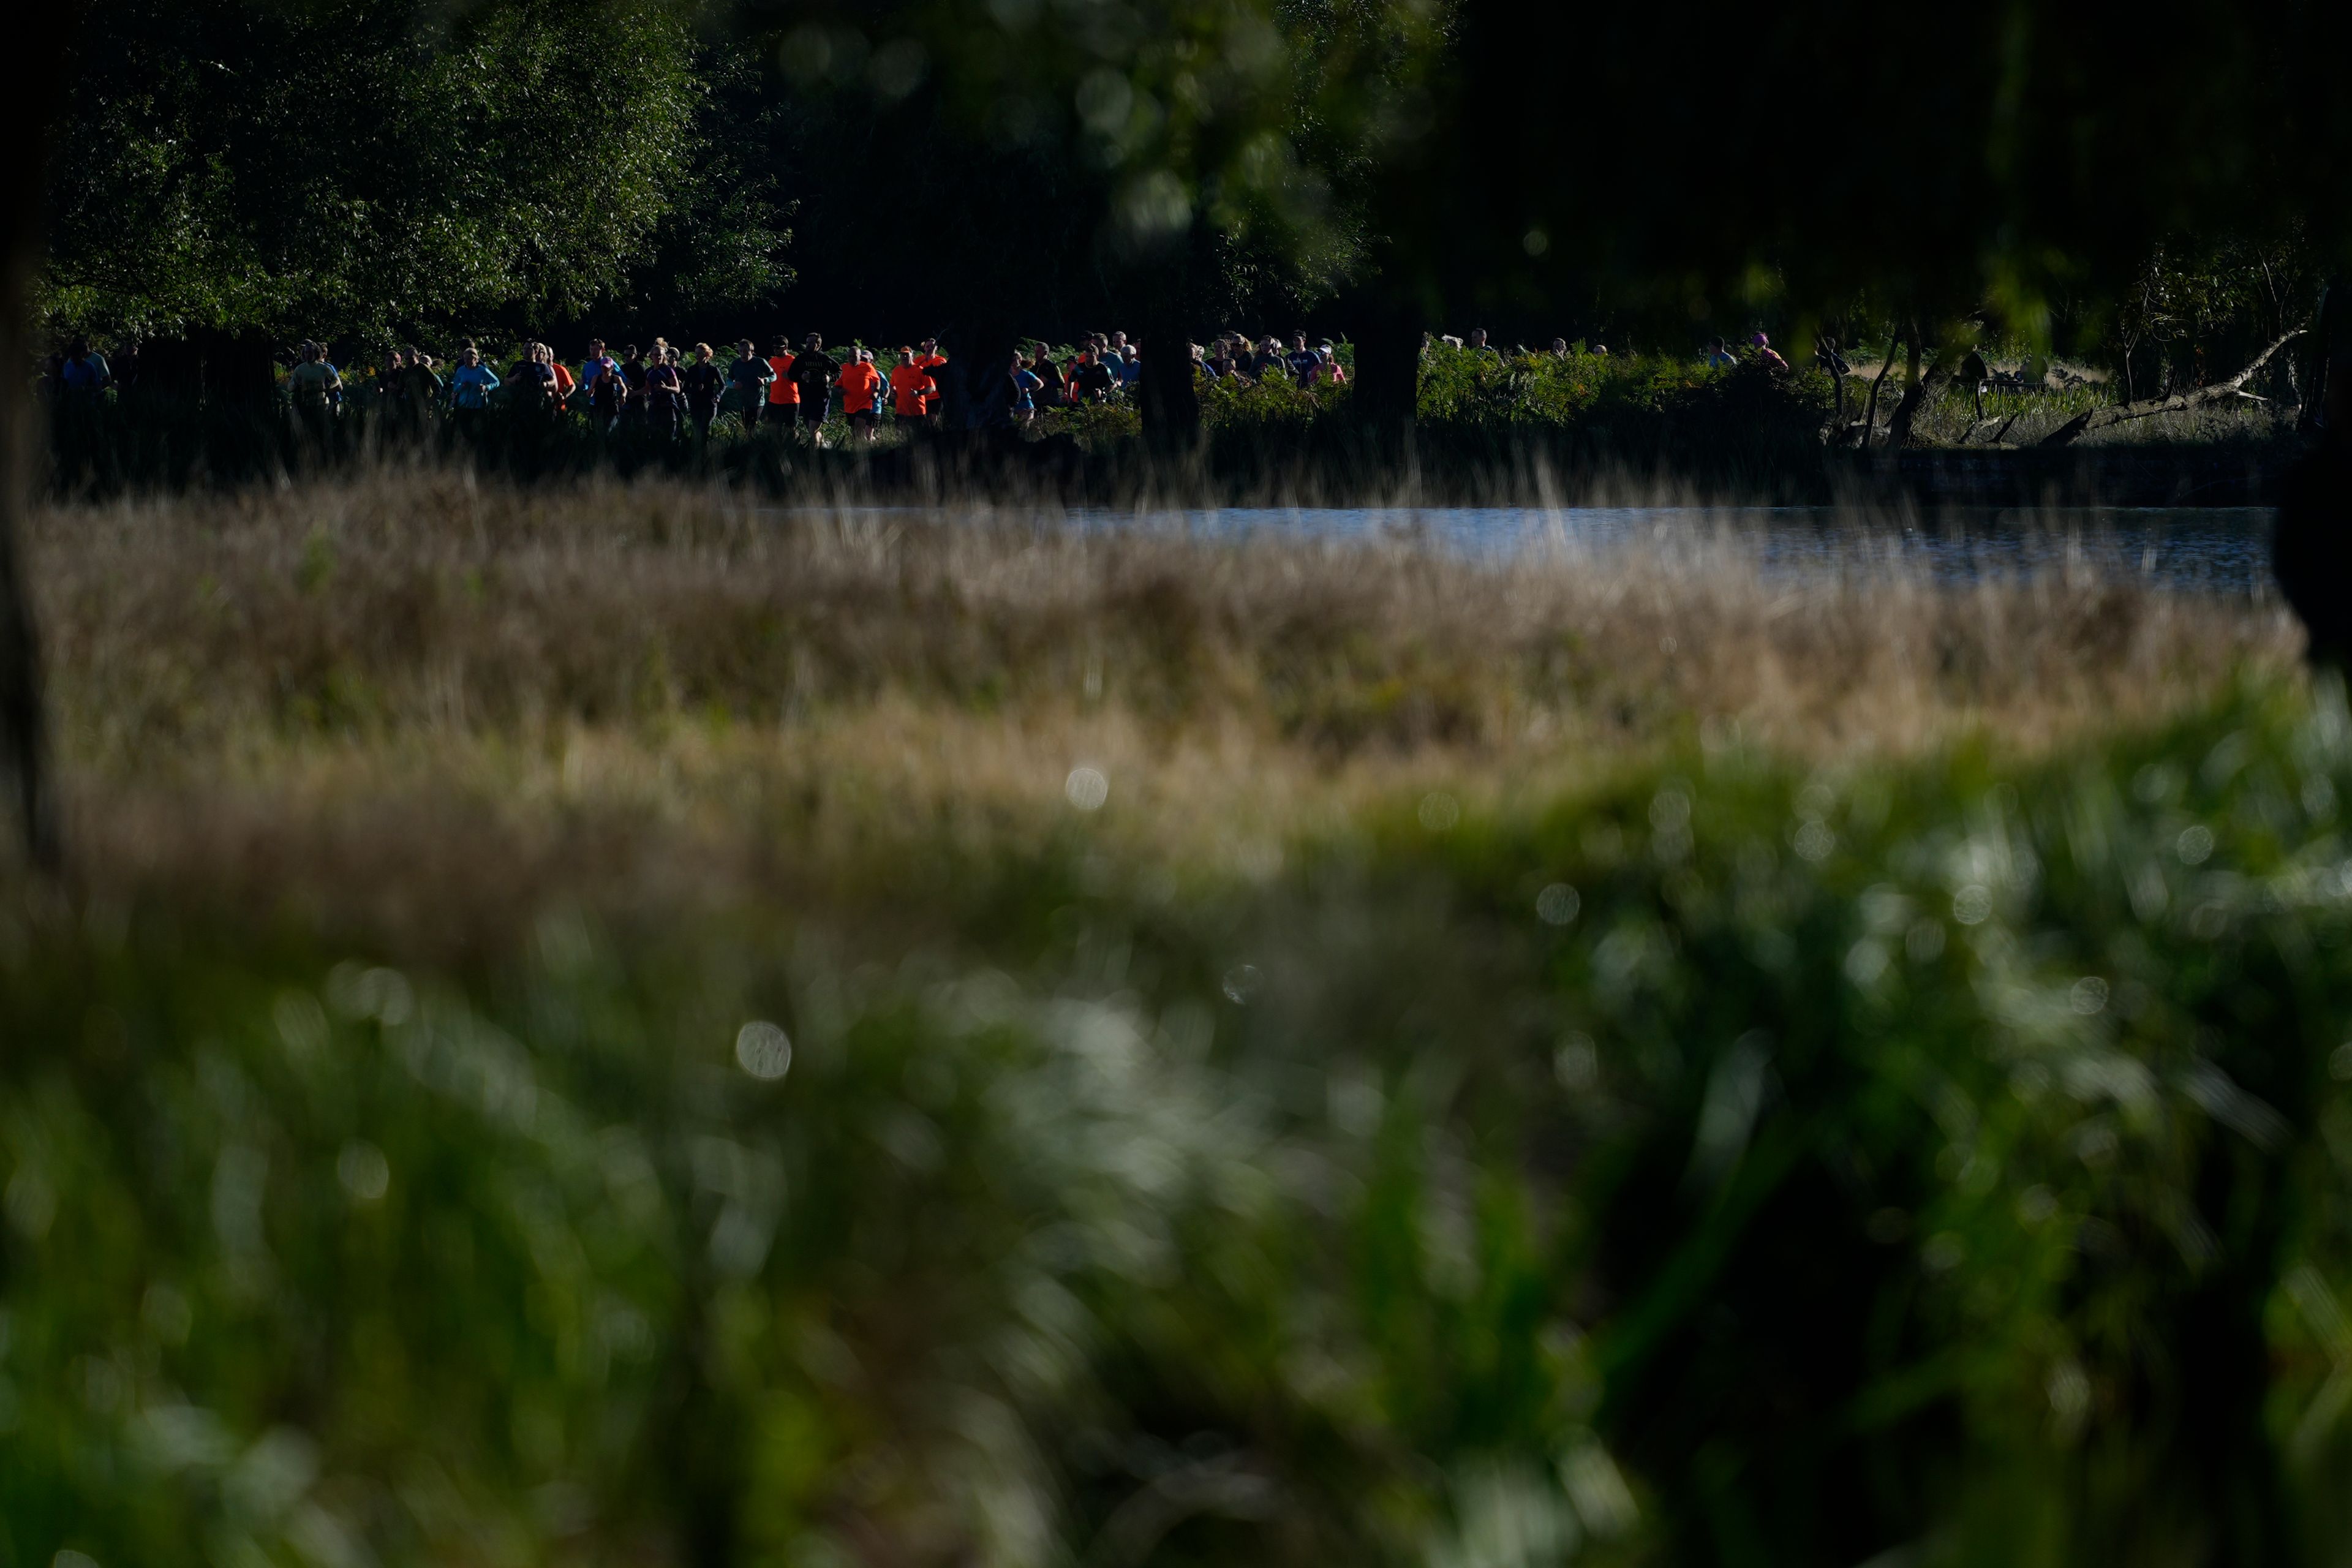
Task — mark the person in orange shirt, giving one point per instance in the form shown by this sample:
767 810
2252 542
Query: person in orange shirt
927 360
859 381
911 387
784 392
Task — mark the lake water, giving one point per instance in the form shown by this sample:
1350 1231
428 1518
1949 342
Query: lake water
2221 549
2211 549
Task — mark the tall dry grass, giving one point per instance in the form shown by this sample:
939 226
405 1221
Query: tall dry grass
438 700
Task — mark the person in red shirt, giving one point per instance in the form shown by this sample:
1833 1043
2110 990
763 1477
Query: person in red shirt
911 387
859 381
784 392
927 359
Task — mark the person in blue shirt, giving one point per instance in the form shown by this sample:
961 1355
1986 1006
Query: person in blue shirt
600 387
86 372
471 384
1123 362
750 376
1026 384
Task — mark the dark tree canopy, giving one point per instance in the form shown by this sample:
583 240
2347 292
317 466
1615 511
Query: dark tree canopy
344 165
1722 153
317 167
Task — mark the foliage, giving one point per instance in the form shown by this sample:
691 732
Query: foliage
1275 404
1866 183
2200 310
979 172
353 167
1735 1163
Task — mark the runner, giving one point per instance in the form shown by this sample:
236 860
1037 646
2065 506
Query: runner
533 384
311 388
1302 362
601 388
632 382
1026 386
470 385
783 396
422 385
930 361
860 384
750 376
1054 390
386 383
702 386
1090 380
813 370
910 383
664 391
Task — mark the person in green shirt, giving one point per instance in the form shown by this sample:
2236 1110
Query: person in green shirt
314 388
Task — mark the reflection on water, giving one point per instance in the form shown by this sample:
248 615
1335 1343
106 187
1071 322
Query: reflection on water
2223 550
2214 549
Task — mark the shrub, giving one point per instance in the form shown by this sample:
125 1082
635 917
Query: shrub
1739 1163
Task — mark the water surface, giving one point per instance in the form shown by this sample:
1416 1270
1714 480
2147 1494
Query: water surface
2212 548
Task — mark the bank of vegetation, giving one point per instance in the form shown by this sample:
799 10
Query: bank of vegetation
614 1023
1518 427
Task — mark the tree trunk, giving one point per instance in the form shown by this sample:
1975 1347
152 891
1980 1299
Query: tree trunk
1170 401
1387 333
2327 327
976 384
1826 348
42 34
1916 396
1870 417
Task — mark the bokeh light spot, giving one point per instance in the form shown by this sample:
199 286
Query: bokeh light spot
763 1050
1086 788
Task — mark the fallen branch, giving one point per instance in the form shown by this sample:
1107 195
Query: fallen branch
2092 419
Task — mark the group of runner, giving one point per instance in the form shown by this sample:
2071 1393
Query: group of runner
1233 358
674 390
670 389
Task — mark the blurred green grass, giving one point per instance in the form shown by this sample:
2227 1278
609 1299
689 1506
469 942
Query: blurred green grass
1737 1162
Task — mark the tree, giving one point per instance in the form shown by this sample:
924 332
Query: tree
23 731
1036 157
1837 157
353 166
